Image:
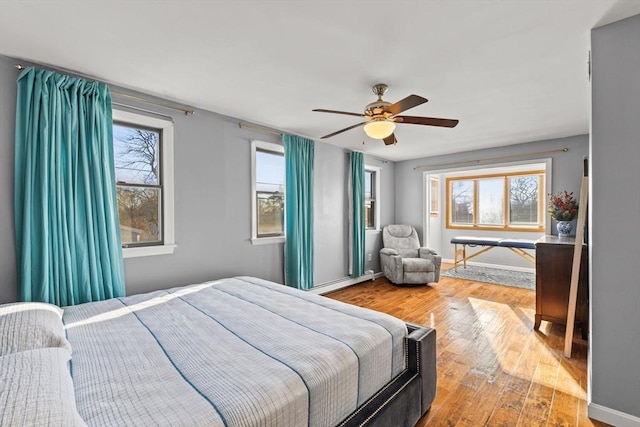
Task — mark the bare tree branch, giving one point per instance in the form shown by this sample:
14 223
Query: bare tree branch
141 153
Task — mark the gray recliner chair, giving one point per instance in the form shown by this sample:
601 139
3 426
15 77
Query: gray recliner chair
402 259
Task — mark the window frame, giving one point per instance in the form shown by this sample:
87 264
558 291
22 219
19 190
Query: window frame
257 145
376 170
506 225
166 127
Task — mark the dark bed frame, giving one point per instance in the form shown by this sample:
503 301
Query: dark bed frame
406 398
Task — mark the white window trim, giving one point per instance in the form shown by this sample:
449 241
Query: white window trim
378 171
167 183
255 240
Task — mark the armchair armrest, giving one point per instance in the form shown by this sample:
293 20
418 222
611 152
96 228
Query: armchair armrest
434 257
426 252
391 264
388 251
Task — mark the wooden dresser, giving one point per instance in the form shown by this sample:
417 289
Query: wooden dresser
554 258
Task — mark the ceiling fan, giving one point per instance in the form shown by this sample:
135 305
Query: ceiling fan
382 116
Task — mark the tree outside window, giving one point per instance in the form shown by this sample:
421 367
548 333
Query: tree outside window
523 199
269 193
139 189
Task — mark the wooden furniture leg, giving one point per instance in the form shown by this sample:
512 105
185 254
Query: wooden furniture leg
536 323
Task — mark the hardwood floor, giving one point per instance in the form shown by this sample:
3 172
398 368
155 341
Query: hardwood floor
493 368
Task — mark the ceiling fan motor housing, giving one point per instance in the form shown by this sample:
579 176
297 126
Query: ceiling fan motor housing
377 108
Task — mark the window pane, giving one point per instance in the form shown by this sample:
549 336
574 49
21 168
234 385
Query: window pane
369 214
139 211
491 201
523 200
269 193
434 195
368 184
136 154
462 202
269 171
270 213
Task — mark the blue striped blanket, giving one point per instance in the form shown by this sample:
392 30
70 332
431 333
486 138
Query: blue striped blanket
233 352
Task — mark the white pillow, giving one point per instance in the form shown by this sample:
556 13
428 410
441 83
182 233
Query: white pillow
30 325
36 389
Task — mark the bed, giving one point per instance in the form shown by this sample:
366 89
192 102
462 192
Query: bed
235 352
518 246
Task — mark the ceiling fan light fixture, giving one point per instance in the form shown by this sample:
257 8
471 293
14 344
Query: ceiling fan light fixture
379 129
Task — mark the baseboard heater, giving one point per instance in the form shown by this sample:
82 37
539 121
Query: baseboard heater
343 282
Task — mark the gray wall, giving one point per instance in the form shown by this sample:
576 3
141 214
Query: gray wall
615 216
212 204
8 75
331 206
331 228
212 209
373 239
566 173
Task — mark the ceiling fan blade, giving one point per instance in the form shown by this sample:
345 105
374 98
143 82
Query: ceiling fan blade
343 130
429 121
322 110
406 103
390 140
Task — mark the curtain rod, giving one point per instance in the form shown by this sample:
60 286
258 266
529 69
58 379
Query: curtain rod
274 132
259 128
187 112
142 110
512 156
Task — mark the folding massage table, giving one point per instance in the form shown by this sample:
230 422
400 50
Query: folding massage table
519 246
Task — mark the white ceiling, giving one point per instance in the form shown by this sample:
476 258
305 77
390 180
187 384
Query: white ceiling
511 71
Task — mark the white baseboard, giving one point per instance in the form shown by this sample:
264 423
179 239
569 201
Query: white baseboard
612 416
499 266
344 282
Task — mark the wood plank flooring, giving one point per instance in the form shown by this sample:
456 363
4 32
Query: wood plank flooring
493 368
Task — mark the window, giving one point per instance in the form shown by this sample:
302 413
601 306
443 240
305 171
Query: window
143 158
371 197
509 201
434 195
268 170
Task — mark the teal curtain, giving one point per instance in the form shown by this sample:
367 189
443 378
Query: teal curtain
356 161
67 232
298 247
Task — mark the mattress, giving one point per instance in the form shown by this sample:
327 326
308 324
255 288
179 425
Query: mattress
234 352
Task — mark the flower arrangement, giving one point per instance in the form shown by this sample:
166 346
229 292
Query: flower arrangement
562 206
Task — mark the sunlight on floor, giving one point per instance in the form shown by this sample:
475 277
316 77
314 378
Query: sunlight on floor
551 372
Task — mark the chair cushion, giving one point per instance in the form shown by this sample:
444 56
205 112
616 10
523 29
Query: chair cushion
417 264
408 253
400 237
400 230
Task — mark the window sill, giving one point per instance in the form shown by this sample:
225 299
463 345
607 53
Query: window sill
373 230
147 251
267 240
